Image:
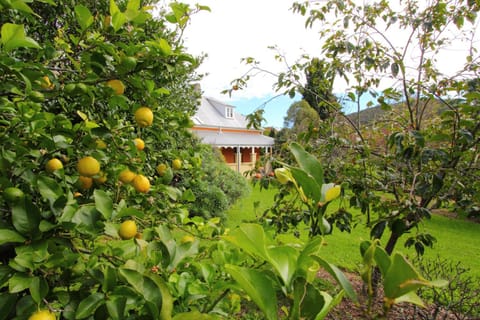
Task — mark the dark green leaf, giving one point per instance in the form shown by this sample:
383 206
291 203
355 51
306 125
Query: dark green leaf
38 289
87 306
258 287
307 162
103 203
25 217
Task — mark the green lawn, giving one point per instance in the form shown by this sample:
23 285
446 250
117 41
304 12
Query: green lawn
457 240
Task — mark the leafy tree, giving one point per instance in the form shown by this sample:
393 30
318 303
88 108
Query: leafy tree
300 116
318 89
97 162
426 136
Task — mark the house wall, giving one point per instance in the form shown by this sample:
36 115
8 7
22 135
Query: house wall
228 154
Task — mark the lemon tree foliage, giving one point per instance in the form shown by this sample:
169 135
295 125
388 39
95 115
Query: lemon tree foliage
94 96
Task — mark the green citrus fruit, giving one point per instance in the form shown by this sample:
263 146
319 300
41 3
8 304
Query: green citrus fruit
13 195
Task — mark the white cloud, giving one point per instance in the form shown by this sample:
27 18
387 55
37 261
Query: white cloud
237 29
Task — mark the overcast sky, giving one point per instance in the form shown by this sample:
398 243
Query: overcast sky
235 29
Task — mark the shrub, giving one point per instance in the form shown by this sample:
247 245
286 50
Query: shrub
460 297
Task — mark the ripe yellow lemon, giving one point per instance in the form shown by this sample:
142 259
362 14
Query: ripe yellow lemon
85 182
53 164
177 164
100 144
88 166
144 117
161 169
141 183
187 239
101 179
126 176
46 83
42 315
117 86
128 229
139 143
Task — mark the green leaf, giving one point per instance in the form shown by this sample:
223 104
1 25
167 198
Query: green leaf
38 289
10 236
188 195
84 16
402 278
7 303
305 261
103 203
309 187
183 251
329 304
284 260
193 315
25 217
146 287
307 162
258 287
130 212
167 299
118 20
116 306
20 5
19 282
87 306
13 36
251 238
339 276
49 189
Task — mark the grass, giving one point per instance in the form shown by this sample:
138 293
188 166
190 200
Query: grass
457 240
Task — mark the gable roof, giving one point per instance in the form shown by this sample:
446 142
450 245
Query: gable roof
213 127
211 113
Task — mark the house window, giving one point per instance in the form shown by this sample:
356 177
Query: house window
229 112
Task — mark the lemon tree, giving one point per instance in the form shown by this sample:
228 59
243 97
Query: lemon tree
87 223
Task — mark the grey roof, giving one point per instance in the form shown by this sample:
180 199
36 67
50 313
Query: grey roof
230 139
211 113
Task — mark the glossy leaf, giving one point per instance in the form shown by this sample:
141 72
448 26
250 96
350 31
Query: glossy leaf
306 185
84 16
339 276
103 203
116 307
87 306
402 278
13 37
25 217
146 287
10 236
19 282
307 162
38 289
259 288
